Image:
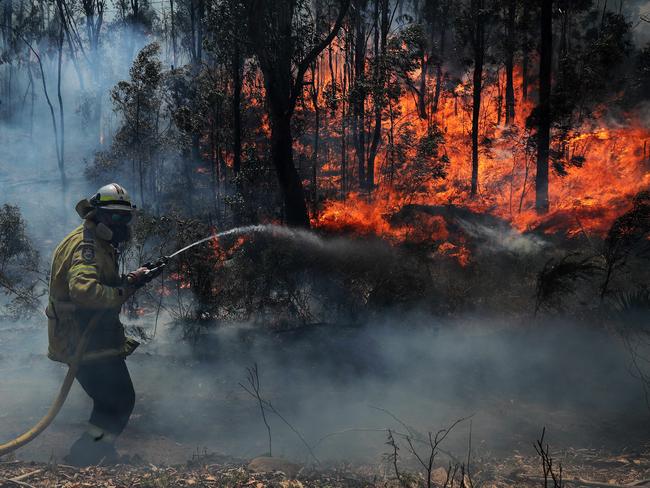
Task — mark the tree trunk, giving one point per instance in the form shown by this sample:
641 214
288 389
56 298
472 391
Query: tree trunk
61 155
50 106
476 110
197 12
381 36
290 184
479 54
7 37
359 116
314 177
422 88
315 89
63 15
94 12
173 31
525 50
33 100
544 109
236 108
214 167
441 53
344 92
510 55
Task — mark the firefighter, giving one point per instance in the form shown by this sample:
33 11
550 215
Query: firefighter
85 281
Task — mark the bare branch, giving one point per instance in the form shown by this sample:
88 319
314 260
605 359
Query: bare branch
311 56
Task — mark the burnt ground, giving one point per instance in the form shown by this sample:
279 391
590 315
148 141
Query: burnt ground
342 388
592 467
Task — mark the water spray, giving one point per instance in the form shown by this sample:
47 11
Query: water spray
154 268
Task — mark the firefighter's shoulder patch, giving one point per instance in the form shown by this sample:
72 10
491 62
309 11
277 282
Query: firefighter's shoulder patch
88 246
88 254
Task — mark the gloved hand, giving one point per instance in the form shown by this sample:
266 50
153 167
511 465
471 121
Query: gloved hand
138 278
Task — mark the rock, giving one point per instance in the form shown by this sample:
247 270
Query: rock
439 476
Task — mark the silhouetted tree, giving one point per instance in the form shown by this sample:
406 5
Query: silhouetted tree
271 30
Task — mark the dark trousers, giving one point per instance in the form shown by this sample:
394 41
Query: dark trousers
108 383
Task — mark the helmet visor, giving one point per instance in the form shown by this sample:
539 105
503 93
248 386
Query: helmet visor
121 217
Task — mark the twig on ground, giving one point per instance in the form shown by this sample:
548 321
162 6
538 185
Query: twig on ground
254 391
393 457
26 475
417 436
18 480
469 457
547 463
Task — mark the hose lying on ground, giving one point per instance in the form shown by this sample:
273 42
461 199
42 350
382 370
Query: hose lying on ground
73 367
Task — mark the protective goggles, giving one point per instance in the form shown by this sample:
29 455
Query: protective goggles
120 217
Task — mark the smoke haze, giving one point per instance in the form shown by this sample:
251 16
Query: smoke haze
333 384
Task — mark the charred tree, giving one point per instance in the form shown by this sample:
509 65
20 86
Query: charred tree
358 94
446 5
477 39
344 116
270 30
544 107
509 62
380 40
315 93
525 49
236 107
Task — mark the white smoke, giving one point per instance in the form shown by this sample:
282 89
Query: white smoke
503 238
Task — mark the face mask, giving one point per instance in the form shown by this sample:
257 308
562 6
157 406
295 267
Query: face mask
121 233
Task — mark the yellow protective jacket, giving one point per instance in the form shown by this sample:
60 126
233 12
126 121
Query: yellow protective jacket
85 281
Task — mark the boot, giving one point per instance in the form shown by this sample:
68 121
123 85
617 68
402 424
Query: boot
88 451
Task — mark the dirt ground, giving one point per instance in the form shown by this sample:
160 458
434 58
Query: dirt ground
581 467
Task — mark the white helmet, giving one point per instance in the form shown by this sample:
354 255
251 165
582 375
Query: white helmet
112 197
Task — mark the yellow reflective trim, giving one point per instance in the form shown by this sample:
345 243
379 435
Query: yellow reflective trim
82 267
79 269
110 198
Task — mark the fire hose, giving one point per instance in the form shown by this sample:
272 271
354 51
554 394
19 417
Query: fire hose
42 424
152 269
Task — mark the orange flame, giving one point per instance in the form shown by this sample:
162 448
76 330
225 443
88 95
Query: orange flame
615 163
